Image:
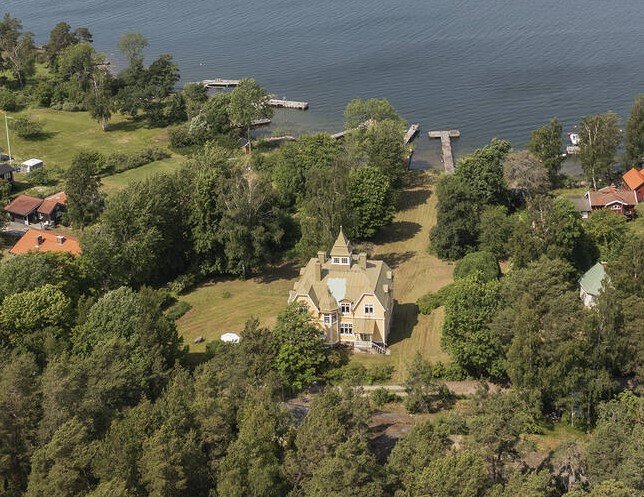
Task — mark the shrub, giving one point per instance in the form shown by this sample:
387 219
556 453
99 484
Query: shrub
180 137
178 310
8 100
379 373
72 107
427 303
26 127
119 162
451 423
182 283
382 396
482 262
42 177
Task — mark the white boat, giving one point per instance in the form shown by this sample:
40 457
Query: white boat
574 138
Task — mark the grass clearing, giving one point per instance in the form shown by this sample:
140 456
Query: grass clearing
66 133
117 182
225 305
403 245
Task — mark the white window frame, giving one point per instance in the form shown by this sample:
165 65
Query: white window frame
335 260
346 305
368 309
346 329
344 260
326 318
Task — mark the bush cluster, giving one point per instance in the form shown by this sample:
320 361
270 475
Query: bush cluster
177 310
119 161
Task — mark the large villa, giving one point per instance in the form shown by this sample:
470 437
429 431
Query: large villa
349 296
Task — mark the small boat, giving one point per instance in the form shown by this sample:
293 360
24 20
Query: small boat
574 138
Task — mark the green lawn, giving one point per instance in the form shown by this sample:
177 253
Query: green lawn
226 304
118 181
66 133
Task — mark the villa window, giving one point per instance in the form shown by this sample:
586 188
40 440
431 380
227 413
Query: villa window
327 319
368 308
346 329
345 308
336 260
345 260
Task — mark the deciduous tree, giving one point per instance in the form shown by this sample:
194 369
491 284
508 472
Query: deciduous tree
634 144
82 186
547 144
599 137
248 102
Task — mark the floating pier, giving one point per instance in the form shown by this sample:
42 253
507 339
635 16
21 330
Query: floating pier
220 83
411 133
446 146
288 104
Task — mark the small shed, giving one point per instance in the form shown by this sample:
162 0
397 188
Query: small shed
591 284
6 172
30 165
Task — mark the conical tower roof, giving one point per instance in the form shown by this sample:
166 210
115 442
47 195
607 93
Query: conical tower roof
341 247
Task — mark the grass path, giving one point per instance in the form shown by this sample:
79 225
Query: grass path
416 272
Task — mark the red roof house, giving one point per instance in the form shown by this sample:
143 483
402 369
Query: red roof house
52 207
22 209
45 241
28 210
634 179
619 201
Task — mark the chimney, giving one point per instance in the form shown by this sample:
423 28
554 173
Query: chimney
322 257
362 260
39 240
389 275
60 239
317 271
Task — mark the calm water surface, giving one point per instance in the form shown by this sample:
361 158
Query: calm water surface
487 67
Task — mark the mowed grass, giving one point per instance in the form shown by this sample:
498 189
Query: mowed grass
67 133
225 305
404 246
117 182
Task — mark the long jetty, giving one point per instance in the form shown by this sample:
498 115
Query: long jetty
288 104
446 147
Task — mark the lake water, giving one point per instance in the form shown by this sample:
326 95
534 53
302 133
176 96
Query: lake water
487 67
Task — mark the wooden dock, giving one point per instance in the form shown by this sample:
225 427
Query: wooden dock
446 146
288 104
364 125
280 139
411 133
260 122
220 83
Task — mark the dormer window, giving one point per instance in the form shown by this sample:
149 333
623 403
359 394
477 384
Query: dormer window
345 307
368 308
336 260
345 260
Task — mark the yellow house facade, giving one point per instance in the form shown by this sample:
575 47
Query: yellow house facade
349 296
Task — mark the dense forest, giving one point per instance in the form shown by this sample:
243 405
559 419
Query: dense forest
100 397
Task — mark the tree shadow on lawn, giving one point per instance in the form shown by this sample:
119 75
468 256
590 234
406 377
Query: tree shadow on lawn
286 271
395 259
41 137
413 198
405 319
398 231
126 125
